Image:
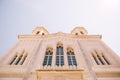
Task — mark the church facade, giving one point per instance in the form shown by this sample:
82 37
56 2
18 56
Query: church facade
59 56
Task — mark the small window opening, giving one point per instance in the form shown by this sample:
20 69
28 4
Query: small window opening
43 33
76 33
81 32
38 32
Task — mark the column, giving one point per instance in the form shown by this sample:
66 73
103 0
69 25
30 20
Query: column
65 57
54 57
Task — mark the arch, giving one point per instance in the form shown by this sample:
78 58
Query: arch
14 58
99 58
104 58
95 59
59 55
71 57
48 57
19 59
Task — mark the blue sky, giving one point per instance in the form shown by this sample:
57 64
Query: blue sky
97 16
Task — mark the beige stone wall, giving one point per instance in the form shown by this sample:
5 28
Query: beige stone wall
34 46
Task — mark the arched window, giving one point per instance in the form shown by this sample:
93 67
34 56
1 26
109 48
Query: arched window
71 57
95 59
23 59
106 61
59 55
48 57
76 33
99 58
43 33
19 59
13 59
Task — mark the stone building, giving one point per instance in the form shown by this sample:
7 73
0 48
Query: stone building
59 56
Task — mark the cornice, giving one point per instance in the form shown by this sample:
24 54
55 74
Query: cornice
60 34
60 70
11 70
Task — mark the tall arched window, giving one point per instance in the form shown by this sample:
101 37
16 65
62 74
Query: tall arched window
95 59
99 58
13 60
23 59
59 55
106 61
19 59
48 57
71 57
